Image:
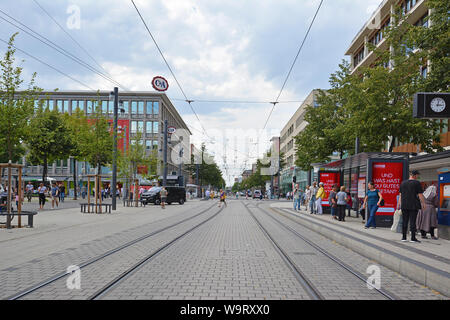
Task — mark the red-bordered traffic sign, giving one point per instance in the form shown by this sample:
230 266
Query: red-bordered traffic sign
160 83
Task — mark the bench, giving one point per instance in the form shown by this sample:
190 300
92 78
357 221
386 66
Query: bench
29 214
131 203
107 207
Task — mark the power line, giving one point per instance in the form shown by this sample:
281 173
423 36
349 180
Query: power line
170 69
56 47
234 101
48 65
72 38
293 64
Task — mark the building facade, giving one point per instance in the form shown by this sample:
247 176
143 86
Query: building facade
143 112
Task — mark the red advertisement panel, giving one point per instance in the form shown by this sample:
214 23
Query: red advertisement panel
328 179
123 132
387 177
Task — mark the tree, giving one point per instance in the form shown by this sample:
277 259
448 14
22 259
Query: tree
16 109
49 138
208 171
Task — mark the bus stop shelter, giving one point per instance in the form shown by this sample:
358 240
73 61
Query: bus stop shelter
386 169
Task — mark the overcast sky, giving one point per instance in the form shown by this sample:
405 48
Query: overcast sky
238 50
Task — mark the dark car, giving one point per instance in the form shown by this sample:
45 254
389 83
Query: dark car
174 194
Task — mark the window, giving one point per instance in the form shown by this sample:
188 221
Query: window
64 163
149 107
104 107
424 71
155 145
133 126
358 57
140 126
89 106
423 21
148 144
149 126
134 107
140 107
111 107
59 105
155 127
156 108
126 106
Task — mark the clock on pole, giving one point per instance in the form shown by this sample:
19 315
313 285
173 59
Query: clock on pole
431 105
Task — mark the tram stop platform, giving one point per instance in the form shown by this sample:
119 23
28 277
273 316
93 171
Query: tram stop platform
427 263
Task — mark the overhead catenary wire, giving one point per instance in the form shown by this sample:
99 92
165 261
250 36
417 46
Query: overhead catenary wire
48 65
72 38
57 48
293 63
170 69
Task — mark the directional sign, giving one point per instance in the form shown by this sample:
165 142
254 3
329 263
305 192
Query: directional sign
160 84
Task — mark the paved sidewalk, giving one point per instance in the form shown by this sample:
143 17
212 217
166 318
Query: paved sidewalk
427 263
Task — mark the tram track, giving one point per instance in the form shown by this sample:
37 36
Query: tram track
51 280
386 294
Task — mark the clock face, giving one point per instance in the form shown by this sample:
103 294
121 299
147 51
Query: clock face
437 104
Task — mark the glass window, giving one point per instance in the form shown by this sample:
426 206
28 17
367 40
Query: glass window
134 107
126 106
105 107
64 163
149 127
140 126
66 106
89 106
59 105
156 107
133 126
111 107
133 142
74 105
148 144
155 144
141 107
149 107
155 127
50 104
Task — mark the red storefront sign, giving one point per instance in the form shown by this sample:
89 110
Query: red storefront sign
123 132
387 177
328 179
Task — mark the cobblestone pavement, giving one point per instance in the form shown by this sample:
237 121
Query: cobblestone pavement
229 257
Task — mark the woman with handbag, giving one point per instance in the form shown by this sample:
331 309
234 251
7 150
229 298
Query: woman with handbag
372 201
427 219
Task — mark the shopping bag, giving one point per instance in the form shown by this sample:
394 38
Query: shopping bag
397 215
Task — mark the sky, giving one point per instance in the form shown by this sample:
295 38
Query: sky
235 50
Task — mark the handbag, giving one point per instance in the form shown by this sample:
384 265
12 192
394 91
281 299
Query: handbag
397 216
382 203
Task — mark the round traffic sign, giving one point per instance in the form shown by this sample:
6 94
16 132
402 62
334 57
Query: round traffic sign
160 84
171 130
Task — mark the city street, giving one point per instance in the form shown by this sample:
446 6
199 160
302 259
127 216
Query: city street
195 251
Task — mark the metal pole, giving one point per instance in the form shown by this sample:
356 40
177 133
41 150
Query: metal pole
114 173
357 145
166 124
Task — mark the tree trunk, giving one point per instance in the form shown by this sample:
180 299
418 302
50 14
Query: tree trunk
74 180
391 145
44 171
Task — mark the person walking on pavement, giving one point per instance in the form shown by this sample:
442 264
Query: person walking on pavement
55 195
320 195
41 192
312 199
62 192
296 198
29 190
342 203
412 200
427 219
163 194
222 197
307 196
333 202
371 203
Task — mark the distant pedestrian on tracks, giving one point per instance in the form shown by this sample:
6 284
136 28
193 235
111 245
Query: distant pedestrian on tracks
42 190
371 203
312 199
223 197
333 202
320 195
342 203
163 194
412 200
427 220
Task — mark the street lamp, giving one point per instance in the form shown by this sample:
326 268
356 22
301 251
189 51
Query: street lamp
114 96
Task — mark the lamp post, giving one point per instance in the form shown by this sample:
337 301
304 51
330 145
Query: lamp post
114 96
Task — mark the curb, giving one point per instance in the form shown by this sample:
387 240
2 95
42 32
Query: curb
421 273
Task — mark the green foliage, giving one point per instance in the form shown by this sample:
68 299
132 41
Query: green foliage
16 109
208 171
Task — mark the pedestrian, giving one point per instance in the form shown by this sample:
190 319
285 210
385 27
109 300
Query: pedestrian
371 203
29 190
312 199
333 201
237 195
412 200
62 192
41 192
427 220
16 192
307 196
55 195
222 196
163 194
141 191
207 194
296 198
320 195
341 203
83 191
349 203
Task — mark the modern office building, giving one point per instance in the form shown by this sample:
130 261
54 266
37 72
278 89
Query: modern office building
142 111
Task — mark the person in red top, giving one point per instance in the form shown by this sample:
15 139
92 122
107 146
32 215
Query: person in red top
349 203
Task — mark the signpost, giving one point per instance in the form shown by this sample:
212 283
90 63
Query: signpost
160 84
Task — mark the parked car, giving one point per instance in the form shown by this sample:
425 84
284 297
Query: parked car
256 194
174 194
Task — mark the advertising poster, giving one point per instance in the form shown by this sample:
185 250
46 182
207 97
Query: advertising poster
328 179
387 177
362 188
